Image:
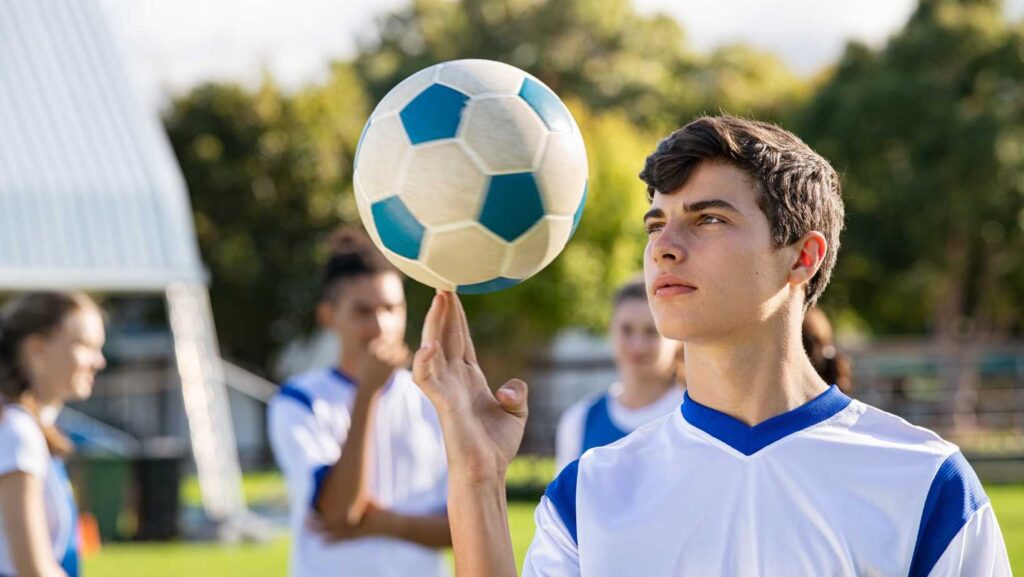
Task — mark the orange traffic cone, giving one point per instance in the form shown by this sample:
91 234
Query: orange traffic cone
89 534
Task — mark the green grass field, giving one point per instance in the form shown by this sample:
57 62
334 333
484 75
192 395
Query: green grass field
270 560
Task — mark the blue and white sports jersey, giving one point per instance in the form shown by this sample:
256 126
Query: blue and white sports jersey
308 423
601 419
23 449
832 488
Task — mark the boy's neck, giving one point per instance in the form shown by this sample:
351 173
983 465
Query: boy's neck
642 390
755 375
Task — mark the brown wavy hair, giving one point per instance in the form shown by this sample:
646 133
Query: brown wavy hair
799 190
37 313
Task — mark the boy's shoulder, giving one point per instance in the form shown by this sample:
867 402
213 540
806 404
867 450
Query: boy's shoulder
22 444
860 432
579 408
310 386
877 429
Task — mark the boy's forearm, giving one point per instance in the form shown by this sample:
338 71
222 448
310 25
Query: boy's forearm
427 530
481 540
345 483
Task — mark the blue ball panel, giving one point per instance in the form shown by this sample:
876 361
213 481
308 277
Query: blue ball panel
398 228
547 105
488 286
579 210
434 114
512 206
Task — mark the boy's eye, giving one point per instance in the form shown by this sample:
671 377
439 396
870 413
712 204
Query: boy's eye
709 219
653 227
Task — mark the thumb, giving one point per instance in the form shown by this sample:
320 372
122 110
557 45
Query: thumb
512 397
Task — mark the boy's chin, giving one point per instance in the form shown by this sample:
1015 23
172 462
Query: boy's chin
81 392
678 330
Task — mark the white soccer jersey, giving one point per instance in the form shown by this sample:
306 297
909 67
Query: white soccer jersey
832 488
308 423
600 419
23 449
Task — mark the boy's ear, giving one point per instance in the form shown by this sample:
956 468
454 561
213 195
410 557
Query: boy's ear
324 313
811 251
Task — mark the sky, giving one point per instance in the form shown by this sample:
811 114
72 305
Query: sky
172 45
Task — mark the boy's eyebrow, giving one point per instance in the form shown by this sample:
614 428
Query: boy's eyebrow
694 207
708 204
654 213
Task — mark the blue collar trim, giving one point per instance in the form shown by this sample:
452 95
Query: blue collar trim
749 440
343 377
347 380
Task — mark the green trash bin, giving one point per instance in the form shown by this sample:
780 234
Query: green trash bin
102 487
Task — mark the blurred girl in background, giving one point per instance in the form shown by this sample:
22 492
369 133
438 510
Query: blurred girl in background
50 351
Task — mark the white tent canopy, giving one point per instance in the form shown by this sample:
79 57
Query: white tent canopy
90 194
92 198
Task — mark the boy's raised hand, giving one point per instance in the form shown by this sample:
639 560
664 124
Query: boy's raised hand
482 430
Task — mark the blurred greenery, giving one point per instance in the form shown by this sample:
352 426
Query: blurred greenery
929 133
926 130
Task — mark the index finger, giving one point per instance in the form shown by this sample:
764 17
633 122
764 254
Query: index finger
470 349
454 335
433 324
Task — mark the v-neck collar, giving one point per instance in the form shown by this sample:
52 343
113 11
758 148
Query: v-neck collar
749 440
343 377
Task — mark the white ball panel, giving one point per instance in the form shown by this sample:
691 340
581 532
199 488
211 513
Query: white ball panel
467 255
538 247
503 131
419 273
405 91
562 173
475 77
441 185
380 155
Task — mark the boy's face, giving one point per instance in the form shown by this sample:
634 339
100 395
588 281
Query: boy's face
370 307
636 343
709 265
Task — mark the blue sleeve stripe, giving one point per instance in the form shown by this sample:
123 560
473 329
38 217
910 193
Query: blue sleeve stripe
562 494
954 496
319 476
290 392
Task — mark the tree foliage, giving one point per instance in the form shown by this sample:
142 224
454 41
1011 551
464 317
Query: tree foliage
928 134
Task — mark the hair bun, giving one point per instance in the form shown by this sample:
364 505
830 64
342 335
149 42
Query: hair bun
352 254
348 241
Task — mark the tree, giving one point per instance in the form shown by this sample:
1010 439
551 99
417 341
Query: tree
599 51
269 175
928 133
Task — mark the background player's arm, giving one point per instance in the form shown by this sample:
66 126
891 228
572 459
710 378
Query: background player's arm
426 530
345 493
482 432
21 505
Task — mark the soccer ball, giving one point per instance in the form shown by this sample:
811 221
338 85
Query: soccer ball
471 176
